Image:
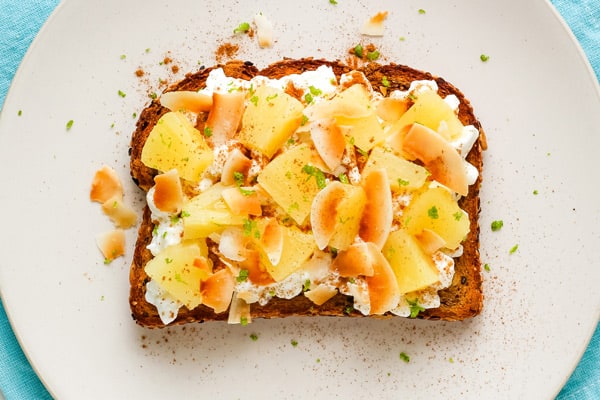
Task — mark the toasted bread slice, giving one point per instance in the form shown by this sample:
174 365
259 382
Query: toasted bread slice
463 299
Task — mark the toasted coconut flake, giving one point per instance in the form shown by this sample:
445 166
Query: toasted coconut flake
217 290
242 201
384 293
271 240
264 30
320 294
256 270
168 193
186 100
391 109
378 214
111 244
122 215
374 25
236 162
329 141
430 241
323 213
239 311
204 265
105 185
440 158
355 261
232 244
225 116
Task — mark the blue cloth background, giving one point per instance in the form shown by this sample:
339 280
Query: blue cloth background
19 23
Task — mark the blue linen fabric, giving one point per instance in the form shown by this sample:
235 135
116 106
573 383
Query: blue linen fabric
20 21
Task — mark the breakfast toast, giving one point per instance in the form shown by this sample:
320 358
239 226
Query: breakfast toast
461 299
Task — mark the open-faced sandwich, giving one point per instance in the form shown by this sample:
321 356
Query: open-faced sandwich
307 188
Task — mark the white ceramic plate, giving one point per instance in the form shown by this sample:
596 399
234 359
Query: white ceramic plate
536 98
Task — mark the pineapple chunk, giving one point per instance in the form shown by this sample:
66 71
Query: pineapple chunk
348 216
436 210
176 270
270 118
174 143
297 248
364 132
402 174
413 268
431 110
286 181
207 213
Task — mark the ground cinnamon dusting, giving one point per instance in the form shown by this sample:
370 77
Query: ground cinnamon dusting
226 50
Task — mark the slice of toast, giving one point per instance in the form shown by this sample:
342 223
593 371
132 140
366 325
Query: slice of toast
462 299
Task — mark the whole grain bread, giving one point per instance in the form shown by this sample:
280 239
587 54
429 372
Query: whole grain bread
462 300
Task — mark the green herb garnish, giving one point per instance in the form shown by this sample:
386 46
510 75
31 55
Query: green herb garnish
358 51
385 82
486 266
373 55
243 275
343 178
317 173
315 91
422 11
254 337
402 182
242 28
308 98
243 320
70 124
484 57
294 342
121 93
207 131
513 249
306 285
433 213
415 308
497 225
404 357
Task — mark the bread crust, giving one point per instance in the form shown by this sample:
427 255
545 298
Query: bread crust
462 300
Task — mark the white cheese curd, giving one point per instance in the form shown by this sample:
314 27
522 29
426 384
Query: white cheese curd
472 173
452 101
415 88
217 81
359 290
322 79
288 288
165 304
167 230
464 143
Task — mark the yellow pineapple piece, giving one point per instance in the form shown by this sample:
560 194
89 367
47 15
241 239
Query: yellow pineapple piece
174 143
287 180
413 268
180 269
431 110
402 174
270 118
207 213
436 210
297 248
